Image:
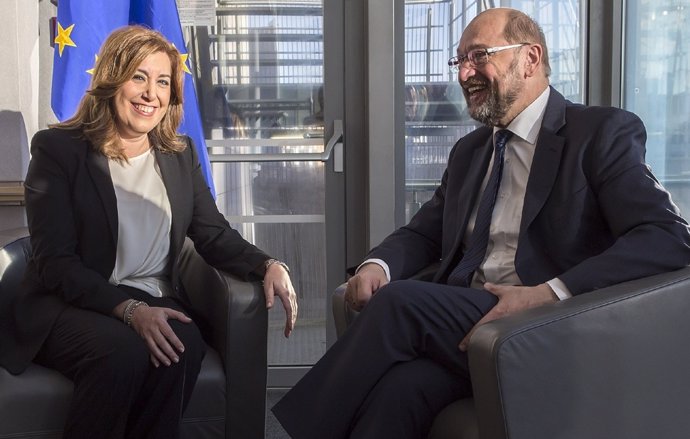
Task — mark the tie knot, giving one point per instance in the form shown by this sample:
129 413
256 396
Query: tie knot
502 137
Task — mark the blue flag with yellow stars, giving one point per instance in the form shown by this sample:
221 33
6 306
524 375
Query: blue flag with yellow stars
83 25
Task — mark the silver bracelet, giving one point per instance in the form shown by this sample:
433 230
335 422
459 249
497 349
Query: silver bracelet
127 309
129 315
270 262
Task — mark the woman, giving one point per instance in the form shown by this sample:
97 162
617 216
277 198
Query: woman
110 196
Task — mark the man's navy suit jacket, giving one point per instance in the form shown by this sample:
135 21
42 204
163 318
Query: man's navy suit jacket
72 216
593 215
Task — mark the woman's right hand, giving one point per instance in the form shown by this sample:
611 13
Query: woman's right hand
151 323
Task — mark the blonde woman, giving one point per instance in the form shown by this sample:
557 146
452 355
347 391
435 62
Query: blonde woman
111 195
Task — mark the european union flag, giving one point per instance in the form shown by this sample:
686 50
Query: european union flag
83 25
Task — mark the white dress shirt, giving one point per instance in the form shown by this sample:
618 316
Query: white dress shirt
499 263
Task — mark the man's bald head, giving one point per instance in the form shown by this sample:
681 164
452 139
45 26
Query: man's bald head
513 26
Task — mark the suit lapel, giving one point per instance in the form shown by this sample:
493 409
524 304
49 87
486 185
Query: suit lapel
467 198
545 167
169 167
547 160
470 188
97 165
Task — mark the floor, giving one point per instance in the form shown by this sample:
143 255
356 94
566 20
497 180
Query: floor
273 428
305 346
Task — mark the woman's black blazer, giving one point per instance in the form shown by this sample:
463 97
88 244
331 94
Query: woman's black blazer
73 221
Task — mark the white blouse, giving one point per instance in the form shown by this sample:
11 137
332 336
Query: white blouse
144 219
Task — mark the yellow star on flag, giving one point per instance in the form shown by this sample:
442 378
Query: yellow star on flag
183 58
63 38
90 71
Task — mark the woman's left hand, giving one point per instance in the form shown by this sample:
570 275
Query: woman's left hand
277 283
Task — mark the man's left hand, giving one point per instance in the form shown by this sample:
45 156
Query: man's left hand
511 299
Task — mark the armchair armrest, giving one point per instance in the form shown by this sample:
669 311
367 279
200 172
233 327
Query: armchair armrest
610 363
236 312
343 315
15 250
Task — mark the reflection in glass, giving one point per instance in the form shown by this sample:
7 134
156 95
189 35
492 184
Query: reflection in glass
435 110
266 69
657 87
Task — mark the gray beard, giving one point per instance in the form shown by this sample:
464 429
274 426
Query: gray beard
495 108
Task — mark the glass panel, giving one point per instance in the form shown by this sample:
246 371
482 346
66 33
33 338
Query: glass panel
435 109
259 76
657 87
279 206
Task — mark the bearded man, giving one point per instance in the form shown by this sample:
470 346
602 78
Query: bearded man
550 199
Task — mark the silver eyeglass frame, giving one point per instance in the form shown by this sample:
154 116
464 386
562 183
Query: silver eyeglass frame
456 61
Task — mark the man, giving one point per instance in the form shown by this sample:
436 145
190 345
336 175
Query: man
560 204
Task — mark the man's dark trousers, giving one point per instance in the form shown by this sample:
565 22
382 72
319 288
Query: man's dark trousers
393 370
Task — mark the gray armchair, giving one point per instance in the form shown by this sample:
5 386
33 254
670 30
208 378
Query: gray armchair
229 400
610 364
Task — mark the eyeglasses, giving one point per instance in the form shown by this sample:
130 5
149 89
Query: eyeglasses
478 57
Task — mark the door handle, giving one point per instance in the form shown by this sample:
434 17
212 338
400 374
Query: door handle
335 145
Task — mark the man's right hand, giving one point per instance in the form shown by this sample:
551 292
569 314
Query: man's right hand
369 278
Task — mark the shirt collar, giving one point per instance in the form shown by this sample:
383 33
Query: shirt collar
526 125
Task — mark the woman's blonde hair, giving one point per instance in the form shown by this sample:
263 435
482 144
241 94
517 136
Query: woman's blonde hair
121 54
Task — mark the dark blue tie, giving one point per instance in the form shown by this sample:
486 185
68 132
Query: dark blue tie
476 247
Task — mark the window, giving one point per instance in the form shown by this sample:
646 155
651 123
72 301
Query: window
657 87
259 79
